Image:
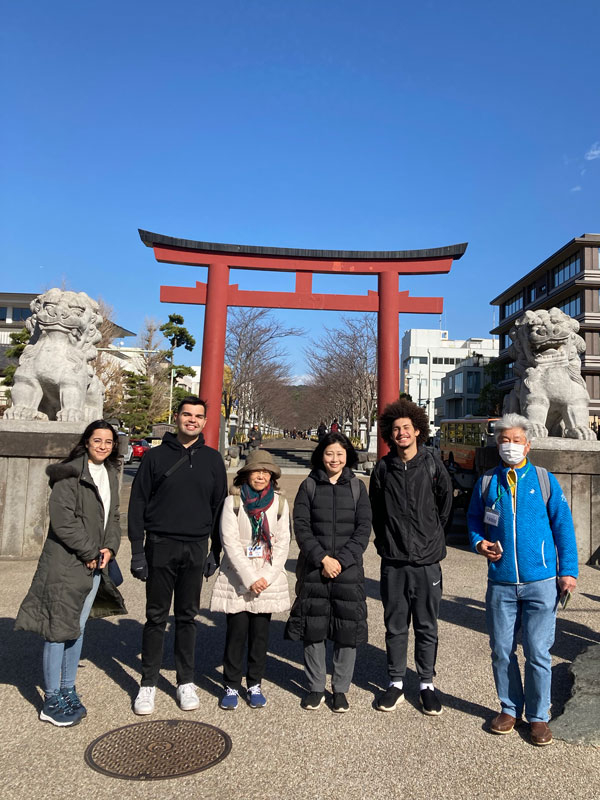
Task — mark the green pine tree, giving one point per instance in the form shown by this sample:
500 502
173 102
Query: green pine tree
18 340
136 407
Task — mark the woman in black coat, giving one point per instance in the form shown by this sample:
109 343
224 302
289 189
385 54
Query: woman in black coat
71 576
332 525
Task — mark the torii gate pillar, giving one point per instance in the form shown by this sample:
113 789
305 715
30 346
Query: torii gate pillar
213 345
217 294
388 345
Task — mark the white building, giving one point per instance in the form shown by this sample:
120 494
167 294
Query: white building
427 355
191 384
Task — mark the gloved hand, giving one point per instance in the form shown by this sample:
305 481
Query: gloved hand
211 564
139 566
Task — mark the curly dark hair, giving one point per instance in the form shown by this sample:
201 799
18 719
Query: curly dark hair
81 446
333 438
408 409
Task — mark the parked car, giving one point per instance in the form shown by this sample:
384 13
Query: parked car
140 448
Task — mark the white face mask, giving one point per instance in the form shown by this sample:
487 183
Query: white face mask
511 453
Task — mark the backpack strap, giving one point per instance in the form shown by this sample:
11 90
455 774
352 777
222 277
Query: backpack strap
544 480
485 483
432 467
355 486
381 471
311 487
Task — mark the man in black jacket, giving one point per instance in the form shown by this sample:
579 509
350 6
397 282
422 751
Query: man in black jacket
411 498
175 499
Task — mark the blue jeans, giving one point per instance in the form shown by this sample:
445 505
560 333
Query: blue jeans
61 659
530 607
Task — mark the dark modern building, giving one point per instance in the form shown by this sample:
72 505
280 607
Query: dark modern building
570 280
461 388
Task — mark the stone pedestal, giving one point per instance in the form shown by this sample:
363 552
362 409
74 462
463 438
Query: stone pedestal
576 465
26 449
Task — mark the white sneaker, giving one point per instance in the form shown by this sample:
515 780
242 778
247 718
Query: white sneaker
187 697
144 702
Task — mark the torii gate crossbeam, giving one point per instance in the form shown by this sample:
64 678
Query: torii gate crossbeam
217 294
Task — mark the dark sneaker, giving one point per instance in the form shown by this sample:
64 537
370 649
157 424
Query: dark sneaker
430 702
390 699
255 697
312 701
339 704
229 701
57 711
74 701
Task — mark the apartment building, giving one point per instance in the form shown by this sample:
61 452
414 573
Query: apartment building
570 280
429 355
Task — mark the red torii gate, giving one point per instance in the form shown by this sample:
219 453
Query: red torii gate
218 294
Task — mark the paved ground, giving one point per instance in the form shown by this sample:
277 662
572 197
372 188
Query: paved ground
283 752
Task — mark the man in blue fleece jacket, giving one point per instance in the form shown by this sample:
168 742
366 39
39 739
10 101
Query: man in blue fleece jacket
532 562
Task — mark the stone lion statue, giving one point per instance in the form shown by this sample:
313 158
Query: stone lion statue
549 389
54 379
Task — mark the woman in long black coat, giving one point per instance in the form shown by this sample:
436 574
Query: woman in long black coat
332 524
71 581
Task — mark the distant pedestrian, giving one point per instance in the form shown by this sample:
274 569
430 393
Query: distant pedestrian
71 581
175 498
321 431
254 438
335 426
411 498
521 522
332 524
252 583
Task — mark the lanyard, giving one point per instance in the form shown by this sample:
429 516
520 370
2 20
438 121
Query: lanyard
503 492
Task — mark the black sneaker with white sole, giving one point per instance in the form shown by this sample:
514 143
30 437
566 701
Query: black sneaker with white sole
312 701
430 702
390 699
339 704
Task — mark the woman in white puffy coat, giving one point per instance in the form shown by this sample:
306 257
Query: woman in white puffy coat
252 583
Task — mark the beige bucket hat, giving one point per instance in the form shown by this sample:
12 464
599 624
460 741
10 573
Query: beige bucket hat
260 459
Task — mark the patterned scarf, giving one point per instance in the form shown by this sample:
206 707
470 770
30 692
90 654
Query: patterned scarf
255 506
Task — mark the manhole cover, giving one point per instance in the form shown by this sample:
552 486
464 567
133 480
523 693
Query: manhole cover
152 751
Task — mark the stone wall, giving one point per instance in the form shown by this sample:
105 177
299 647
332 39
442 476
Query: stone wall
26 449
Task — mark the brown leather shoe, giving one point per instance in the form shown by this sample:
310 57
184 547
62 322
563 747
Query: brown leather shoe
540 733
503 723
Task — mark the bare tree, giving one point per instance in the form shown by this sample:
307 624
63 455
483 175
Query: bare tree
154 364
343 370
256 369
107 367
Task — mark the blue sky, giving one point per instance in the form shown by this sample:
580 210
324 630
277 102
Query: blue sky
315 124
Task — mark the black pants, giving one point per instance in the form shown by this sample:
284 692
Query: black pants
174 572
254 628
409 591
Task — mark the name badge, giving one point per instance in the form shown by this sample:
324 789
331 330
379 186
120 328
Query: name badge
254 552
491 517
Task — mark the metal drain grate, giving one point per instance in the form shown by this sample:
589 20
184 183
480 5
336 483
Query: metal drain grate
158 749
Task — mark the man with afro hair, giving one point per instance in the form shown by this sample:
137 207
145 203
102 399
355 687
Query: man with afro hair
411 498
